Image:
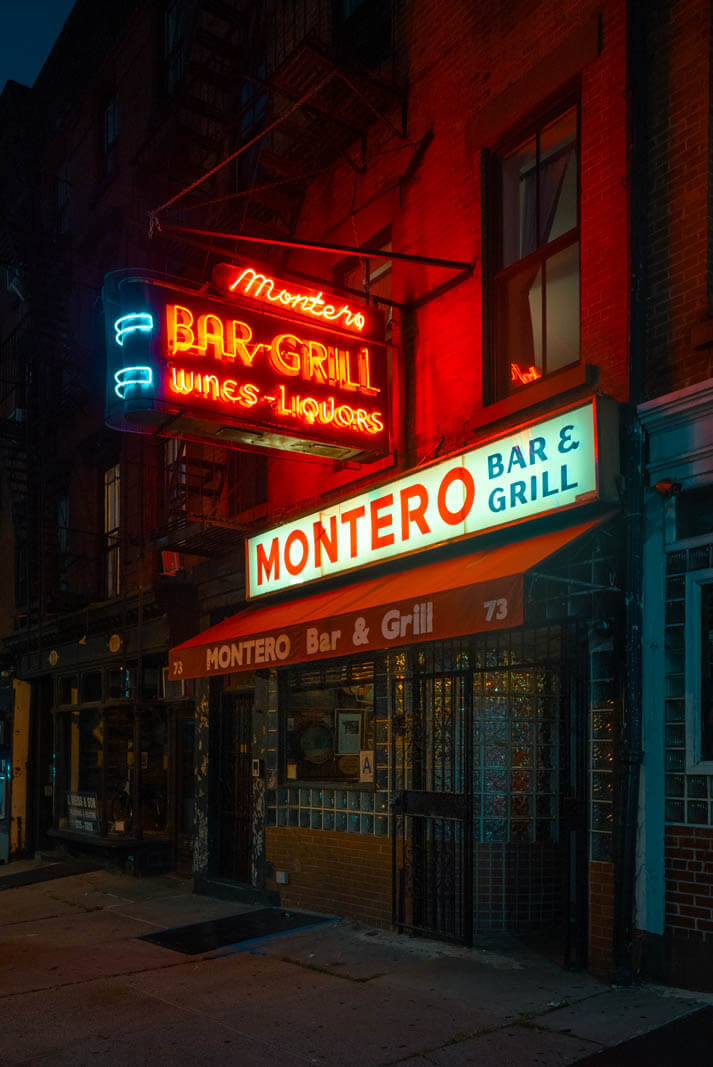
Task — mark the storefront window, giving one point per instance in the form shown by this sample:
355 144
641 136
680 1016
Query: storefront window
707 672
112 769
80 769
329 717
154 772
91 687
120 769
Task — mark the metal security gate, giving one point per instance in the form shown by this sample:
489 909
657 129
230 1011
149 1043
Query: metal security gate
431 717
487 760
234 787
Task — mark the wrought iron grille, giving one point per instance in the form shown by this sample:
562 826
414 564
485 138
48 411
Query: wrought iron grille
483 758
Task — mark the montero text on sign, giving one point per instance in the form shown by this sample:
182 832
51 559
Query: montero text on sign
547 466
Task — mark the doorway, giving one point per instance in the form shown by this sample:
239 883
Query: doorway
488 754
234 787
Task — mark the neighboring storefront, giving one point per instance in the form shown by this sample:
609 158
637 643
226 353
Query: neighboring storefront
674 902
416 732
109 739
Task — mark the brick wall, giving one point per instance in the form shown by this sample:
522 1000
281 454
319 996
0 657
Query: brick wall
685 957
464 60
601 916
680 213
689 881
339 874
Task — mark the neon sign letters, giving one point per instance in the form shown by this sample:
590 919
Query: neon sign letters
232 339
546 467
241 373
517 374
128 376
139 321
246 281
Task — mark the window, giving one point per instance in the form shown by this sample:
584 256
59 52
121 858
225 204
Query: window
173 46
363 30
699 671
111 530
63 541
694 513
372 277
536 250
329 718
174 467
706 671
111 133
62 219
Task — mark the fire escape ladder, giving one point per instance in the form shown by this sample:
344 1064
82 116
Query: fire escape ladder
273 95
212 497
314 111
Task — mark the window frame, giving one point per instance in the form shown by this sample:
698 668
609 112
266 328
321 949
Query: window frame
497 373
111 127
291 682
354 274
173 45
63 197
112 534
695 581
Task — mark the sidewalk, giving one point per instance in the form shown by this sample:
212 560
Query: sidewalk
77 983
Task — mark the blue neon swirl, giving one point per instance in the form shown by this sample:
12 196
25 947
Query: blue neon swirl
140 320
141 376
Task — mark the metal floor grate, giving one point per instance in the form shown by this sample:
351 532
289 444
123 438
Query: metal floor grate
217 933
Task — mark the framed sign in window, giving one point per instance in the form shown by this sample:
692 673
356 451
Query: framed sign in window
348 731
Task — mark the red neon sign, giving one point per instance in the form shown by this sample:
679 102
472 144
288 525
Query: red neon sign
254 375
246 281
524 376
231 339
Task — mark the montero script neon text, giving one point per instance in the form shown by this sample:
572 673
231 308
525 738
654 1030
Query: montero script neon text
250 282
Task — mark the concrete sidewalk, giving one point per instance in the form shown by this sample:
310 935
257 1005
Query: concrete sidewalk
77 984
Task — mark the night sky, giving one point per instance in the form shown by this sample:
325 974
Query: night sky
28 29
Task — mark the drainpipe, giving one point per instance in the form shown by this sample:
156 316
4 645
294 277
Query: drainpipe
627 811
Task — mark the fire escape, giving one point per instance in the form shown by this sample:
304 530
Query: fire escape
261 97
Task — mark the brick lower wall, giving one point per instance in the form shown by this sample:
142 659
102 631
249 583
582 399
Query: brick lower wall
337 874
683 956
689 882
601 916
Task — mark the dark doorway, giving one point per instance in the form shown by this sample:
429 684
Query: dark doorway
185 789
235 786
41 767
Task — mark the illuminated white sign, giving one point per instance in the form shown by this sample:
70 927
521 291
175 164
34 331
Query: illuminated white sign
540 468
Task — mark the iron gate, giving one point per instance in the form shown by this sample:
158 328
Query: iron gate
487 759
234 794
431 716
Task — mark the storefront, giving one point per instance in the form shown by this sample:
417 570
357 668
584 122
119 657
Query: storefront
109 738
428 733
674 905
115 780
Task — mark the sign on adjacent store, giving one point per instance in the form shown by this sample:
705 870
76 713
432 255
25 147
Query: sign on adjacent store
82 812
273 364
544 467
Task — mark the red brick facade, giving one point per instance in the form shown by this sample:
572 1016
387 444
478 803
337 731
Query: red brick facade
337 874
680 203
689 882
601 916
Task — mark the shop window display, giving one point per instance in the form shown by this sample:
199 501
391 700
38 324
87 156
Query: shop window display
112 761
328 723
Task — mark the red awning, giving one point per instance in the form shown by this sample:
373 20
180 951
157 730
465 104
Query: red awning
469 594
